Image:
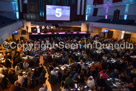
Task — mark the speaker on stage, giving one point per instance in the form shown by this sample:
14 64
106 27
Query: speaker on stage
57 33
56 25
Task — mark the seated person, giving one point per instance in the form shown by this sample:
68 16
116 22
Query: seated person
8 63
90 82
1 55
44 88
20 79
16 87
123 77
29 80
17 68
11 75
115 74
134 82
25 64
1 77
103 73
69 82
99 66
3 82
1 70
54 72
101 82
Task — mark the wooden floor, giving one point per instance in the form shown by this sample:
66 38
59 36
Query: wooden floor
47 80
33 89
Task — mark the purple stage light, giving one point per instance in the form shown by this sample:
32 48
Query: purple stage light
34 33
61 32
82 33
49 33
42 33
74 32
55 33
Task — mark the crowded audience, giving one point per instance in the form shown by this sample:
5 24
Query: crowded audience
79 68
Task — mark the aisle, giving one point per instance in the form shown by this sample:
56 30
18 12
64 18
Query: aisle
47 80
47 74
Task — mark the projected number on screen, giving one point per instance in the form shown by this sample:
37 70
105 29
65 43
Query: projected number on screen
58 12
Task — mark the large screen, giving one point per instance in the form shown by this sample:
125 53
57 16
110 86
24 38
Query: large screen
61 13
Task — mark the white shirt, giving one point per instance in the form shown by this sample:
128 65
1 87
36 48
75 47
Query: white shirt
54 73
104 57
20 79
91 83
25 65
43 89
85 67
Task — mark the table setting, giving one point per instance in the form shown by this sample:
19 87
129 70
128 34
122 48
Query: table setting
114 82
79 87
27 57
25 72
133 57
56 55
2 60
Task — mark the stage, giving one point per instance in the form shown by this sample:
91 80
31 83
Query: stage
35 36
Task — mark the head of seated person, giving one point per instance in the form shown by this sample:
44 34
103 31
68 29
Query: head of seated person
44 88
20 74
11 71
16 83
1 70
5 71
